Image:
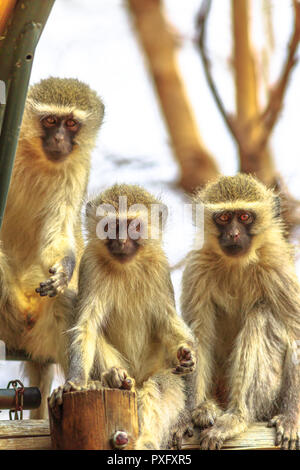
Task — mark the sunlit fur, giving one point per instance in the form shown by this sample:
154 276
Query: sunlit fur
42 221
245 312
126 317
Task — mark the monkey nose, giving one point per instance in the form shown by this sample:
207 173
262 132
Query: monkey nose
235 234
59 137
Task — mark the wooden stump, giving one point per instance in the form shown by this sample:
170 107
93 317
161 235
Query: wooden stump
92 419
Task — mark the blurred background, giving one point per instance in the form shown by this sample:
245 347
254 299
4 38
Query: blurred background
191 89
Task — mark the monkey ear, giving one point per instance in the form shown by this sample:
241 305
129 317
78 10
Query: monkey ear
276 206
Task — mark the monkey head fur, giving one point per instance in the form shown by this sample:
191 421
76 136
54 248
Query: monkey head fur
125 221
240 213
67 107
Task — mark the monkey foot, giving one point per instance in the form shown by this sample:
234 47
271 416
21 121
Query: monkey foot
56 284
206 413
185 429
187 361
211 439
287 432
56 398
118 378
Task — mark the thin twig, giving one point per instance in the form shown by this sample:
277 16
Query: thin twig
201 41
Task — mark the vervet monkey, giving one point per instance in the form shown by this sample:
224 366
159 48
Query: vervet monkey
41 231
241 297
127 333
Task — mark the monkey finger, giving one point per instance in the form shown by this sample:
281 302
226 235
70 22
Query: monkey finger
278 437
177 441
187 363
285 442
46 283
189 431
292 444
94 385
273 421
182 370
128 383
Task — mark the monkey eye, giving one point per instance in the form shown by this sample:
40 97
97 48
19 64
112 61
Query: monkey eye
49 121
223 218
246 218
71 123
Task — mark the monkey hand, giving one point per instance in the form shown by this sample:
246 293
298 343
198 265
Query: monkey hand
57 282
56 397
187 360
118 378
287 432
206 413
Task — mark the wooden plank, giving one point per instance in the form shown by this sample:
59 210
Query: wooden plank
257 436
26 443
27 427
35 434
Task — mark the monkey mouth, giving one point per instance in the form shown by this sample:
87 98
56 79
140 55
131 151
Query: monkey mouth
234 250
123 257
56 155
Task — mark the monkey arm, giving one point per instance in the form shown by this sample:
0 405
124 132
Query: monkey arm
58 248
199 312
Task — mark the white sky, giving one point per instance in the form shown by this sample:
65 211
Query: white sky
94 41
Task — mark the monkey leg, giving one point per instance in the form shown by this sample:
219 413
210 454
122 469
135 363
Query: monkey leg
287 418
161 400
41 376
61 276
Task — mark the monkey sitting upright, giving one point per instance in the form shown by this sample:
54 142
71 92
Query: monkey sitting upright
241 297
127 332
41 231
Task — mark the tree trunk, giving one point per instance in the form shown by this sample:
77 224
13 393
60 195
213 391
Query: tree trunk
257 161
197 165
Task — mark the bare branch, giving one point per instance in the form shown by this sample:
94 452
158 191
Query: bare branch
201 23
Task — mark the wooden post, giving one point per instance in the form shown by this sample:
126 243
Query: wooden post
95 420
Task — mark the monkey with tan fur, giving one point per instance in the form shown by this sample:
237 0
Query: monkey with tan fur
127 333
241 297
41 231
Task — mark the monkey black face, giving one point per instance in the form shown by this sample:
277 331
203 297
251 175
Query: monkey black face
59 134
123 249
234 228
